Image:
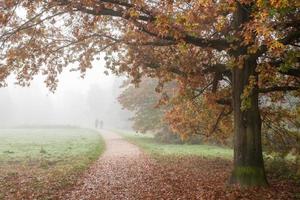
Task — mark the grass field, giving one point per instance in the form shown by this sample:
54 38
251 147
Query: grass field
42 161
150 145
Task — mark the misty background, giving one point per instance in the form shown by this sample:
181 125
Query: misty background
76 101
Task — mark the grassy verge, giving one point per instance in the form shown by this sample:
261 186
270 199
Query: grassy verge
150 145
40 162
280 167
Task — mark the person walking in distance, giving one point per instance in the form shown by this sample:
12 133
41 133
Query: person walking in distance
96 123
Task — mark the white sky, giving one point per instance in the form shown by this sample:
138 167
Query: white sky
70 104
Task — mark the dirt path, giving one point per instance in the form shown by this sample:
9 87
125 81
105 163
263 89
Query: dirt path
125 172
122 172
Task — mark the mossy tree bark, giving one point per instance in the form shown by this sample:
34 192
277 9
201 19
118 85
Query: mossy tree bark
248 159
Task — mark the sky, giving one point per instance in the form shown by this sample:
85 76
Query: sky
76 101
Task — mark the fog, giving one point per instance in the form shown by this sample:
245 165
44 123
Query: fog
76 101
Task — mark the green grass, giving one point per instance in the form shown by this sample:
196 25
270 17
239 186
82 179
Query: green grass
52 144
55 157
150 145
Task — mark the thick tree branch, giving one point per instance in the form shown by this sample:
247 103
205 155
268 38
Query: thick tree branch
128 5
215 68
158 42
218 44
278 88
289 39
224 101
111 12
291 23
290 71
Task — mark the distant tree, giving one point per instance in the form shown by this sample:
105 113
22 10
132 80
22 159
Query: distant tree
143 101
235 51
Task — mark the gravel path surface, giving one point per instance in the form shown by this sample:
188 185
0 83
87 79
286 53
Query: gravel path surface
122 172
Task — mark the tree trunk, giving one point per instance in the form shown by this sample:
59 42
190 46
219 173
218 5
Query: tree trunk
248 159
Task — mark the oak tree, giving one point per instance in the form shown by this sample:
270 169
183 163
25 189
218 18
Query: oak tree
232 51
